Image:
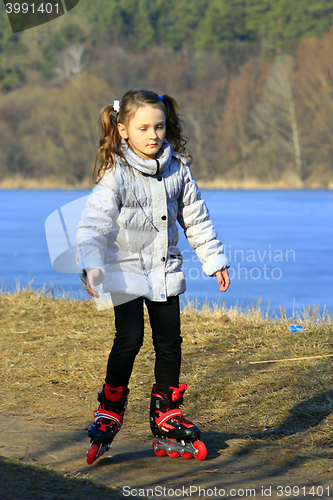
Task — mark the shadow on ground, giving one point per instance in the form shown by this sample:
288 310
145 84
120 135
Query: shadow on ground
26 482
234 460
302 417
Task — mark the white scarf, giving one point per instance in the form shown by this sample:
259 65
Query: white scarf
150 167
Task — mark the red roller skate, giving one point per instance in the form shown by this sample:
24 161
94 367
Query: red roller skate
108 420
175 435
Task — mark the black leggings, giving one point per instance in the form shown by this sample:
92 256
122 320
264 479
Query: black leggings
165 323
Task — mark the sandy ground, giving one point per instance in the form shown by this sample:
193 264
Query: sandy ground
132 467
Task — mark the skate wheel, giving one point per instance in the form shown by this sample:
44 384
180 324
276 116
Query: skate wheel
159 453
174 453
199 445
187 455
92 453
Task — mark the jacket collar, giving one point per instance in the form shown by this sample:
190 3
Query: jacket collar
150 167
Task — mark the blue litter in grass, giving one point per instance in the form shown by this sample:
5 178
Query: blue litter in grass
296 328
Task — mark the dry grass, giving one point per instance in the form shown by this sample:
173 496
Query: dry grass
16 181
289 181
54 355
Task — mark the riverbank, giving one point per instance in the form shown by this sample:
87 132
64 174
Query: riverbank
291 182
261 393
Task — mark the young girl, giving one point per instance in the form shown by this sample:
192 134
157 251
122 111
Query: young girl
127 241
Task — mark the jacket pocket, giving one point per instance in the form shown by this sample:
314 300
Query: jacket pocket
175 260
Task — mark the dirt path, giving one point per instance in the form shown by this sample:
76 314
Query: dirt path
132 467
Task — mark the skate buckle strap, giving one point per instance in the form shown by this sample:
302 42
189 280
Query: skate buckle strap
166 416
166 405
108 414
177 393
114 394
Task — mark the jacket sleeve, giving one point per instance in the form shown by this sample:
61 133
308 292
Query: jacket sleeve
193 216
97 220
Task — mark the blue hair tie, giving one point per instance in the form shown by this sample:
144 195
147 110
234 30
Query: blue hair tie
160 96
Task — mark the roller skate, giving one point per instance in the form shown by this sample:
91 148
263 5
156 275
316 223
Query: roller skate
108 420
175 435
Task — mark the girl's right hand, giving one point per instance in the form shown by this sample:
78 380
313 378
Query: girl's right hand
91 276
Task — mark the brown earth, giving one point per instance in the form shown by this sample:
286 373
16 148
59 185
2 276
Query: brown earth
131 466
266 426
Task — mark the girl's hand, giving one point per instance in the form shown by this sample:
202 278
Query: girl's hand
223 279
91 276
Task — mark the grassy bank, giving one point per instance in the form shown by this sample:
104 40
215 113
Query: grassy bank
290 182
54 355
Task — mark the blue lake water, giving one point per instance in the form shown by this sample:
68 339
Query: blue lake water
279 244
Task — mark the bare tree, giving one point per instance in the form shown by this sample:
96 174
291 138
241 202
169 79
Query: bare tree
243 141
71 63
195 124
275 117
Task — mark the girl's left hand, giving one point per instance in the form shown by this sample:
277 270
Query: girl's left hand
223 279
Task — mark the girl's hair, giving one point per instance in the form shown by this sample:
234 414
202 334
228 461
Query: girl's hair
110 143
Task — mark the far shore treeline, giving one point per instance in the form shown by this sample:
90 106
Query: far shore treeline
253 78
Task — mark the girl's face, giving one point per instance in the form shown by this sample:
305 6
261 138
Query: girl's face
145 131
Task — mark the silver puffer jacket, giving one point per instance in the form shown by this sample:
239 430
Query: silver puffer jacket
128 228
